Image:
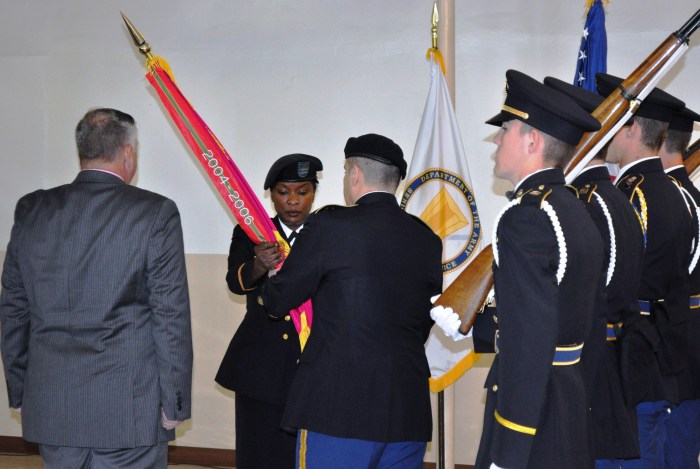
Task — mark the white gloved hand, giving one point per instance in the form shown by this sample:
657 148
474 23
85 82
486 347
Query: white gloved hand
448 321
493 466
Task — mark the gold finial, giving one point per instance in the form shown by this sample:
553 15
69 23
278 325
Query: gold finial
138 38
436 19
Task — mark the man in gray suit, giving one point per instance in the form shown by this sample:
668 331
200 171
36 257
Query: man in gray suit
96 336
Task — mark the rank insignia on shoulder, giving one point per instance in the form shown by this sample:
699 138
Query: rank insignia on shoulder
534 192
331 208
629 183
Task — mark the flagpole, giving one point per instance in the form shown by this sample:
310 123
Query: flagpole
446 398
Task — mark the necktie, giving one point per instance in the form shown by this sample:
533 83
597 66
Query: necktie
292 236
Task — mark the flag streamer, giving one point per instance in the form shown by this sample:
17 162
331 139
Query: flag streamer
223 172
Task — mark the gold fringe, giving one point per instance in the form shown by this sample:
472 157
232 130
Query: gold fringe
158 61
589 3
434 54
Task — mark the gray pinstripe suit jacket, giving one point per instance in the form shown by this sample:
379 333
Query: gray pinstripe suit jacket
95 316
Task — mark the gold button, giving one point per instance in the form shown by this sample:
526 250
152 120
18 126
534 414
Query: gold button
260 301
495 319
494 388
541 188
288 318
297 361
285 336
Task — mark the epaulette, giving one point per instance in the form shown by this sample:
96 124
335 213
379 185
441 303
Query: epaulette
629 183
418 219
585 194
330 208
535 196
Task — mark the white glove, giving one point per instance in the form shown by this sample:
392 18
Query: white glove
167 423
18 410
448 321
493 466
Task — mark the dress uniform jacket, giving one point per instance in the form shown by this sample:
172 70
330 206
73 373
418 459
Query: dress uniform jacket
655 346
370 271
262 357
613 421
96 333
547 275
689 381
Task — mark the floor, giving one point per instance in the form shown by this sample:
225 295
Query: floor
21 461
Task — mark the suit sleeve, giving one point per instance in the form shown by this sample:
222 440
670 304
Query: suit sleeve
300 274
240 264
527 297
14 315
169 301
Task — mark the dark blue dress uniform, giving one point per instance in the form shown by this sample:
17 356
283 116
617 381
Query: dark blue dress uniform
259 366
536 414
548 260
656 349
613 420
370 271
689 381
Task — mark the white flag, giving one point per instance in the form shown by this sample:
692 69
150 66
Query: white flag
439 191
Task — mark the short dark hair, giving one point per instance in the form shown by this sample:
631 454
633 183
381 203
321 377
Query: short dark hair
677 141
653 132
102 132
556 152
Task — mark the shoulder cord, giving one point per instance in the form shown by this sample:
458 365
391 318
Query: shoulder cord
613 242
561 242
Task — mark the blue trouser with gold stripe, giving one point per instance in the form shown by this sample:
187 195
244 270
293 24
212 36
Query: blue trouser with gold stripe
319 451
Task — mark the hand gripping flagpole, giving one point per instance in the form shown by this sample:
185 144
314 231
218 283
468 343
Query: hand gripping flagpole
219 166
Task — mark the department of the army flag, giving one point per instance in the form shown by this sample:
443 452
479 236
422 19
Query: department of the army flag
223 172
439 191
593 53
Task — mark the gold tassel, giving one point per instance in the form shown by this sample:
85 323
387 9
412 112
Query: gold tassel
434 54
160 62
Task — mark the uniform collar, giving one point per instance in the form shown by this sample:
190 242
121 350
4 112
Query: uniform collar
649 164
548 177
376 197
591 174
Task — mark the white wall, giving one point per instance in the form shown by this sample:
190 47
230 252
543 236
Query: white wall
278 77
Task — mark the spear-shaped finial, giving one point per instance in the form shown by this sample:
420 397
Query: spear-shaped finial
138 38
435 19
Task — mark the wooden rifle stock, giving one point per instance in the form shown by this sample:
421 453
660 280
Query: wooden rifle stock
691 157
468 292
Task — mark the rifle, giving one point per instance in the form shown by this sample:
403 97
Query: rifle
691 157
467 293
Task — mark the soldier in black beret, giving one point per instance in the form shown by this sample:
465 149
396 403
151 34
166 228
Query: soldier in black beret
655 345
614 422
548 259
360 397
262 357
683 426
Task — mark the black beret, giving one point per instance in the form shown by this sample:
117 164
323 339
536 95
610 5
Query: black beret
585 98
296 167
658 104
543 108
683 120
377 148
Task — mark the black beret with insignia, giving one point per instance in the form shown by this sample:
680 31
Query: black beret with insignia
543 108
377 148
296 167
658 104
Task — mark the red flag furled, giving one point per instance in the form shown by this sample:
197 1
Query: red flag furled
219 166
